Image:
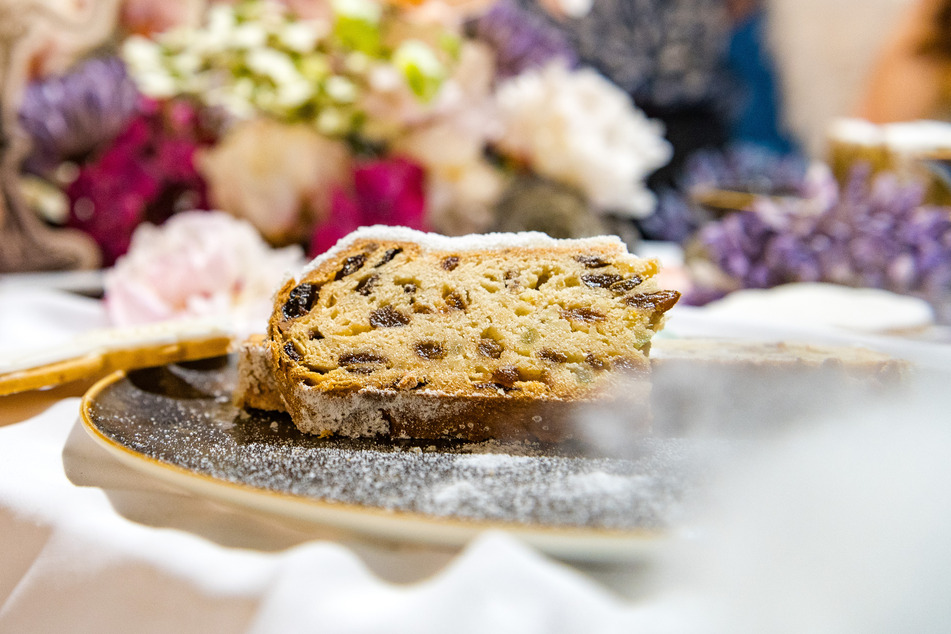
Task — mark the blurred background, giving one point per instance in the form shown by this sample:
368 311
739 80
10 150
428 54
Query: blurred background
760 143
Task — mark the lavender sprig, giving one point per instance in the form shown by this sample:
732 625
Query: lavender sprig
878 234
747 168
520 39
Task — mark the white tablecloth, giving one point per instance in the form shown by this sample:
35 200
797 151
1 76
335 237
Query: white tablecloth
859 541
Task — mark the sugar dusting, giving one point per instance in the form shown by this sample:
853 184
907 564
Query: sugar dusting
177 415
472 242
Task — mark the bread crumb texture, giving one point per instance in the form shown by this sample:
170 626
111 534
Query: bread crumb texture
557 321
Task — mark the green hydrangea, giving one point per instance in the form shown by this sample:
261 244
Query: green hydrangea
255 57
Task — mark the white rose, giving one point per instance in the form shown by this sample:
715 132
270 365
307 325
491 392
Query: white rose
576 127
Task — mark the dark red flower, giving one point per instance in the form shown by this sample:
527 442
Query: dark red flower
146 174
385 192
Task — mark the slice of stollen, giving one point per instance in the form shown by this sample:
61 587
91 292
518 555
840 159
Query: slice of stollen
415 335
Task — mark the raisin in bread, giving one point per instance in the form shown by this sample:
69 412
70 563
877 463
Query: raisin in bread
416 335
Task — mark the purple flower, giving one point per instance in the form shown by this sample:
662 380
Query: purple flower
674 220
746 168
521 40
67 117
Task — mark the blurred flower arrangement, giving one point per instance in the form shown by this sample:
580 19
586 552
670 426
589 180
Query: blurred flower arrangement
306 119
309 118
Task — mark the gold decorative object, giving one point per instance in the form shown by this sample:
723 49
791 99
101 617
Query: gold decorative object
720 202
918 163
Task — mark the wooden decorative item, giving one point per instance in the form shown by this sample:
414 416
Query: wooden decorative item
26 242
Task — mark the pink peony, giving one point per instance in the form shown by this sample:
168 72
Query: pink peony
198 264
385 192
310 9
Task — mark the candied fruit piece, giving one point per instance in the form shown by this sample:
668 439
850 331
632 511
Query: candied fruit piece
600 281
592 261
626 285
506 376
291 351
357 358
553 355
455 301
660 301
430 350
365 286
490 348
586 315
388 256
595 361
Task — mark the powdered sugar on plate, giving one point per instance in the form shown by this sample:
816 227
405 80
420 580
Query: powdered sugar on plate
180 415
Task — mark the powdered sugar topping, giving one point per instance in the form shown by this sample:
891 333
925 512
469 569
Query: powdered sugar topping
471 242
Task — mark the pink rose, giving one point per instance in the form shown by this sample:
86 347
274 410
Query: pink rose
277 176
